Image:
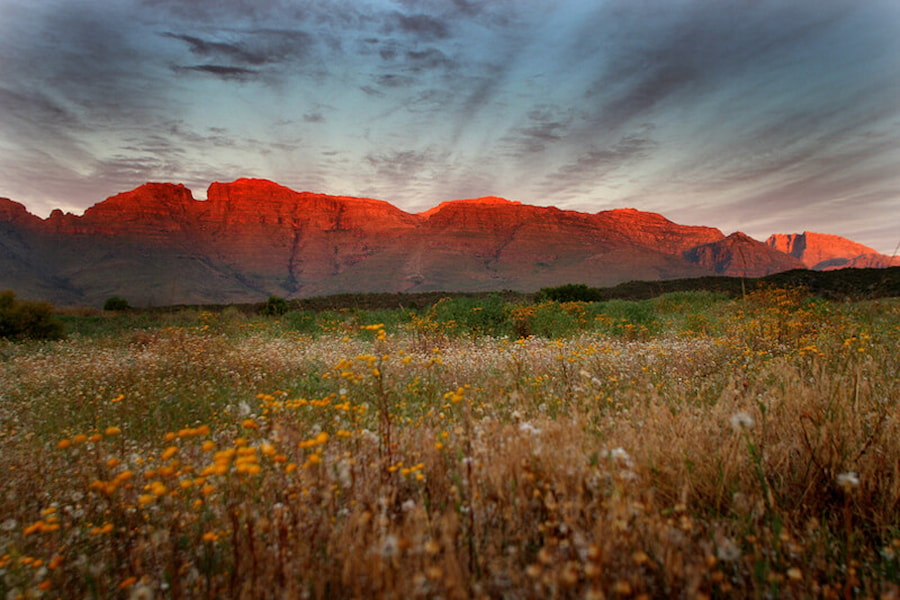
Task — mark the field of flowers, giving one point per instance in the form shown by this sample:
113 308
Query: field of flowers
688 446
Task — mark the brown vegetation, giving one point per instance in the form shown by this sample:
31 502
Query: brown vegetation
732 448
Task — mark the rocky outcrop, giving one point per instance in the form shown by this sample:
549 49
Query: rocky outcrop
251 238
739 255
823 252
655 231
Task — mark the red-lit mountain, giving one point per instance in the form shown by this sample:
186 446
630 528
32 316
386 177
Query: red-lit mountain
824 252
157 245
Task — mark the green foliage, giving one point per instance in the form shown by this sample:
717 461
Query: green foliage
475 316
302 321
275 306
22 319
629 319
571 292
681 302
116 303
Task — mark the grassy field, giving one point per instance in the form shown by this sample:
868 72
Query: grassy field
686 446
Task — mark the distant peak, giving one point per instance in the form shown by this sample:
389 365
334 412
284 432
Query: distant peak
633 214
484 200
251 183
740 236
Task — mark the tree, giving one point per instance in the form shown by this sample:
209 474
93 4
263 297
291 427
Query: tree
275 306
27 320
116 303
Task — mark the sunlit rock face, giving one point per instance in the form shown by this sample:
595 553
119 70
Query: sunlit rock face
822 252
739 255
158 245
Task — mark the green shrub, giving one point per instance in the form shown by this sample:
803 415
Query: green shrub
628 318
571 292
302 321
473 316
275 306
687 302
116 303
27 320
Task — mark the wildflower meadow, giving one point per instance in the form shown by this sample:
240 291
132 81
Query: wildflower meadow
689 446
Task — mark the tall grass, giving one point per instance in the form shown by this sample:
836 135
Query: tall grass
714 448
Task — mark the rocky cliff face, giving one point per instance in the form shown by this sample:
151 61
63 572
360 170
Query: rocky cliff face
823 252
739 255
252 238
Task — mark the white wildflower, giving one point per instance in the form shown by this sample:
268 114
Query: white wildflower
848 480
527 427
390 546
727 550
619 456
141 592
741 421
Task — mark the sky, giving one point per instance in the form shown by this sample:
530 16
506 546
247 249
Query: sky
764 116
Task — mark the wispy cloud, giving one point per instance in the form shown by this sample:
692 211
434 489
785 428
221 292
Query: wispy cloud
757 113
422 26
222 71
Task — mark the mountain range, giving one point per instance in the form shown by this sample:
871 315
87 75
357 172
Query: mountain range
251 238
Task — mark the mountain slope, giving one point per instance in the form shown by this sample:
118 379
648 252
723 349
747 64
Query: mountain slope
251 238
822 252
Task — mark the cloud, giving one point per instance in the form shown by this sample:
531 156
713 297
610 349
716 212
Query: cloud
241 60
421 26
222 71
215 10
393 80
547 125
597 166
399 166
35 107
220 50
737 106
428 59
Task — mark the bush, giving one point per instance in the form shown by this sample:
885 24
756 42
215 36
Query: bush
275 306
116 303
27 320
473 316
571 292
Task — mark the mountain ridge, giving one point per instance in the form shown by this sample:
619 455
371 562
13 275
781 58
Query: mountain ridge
157 244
